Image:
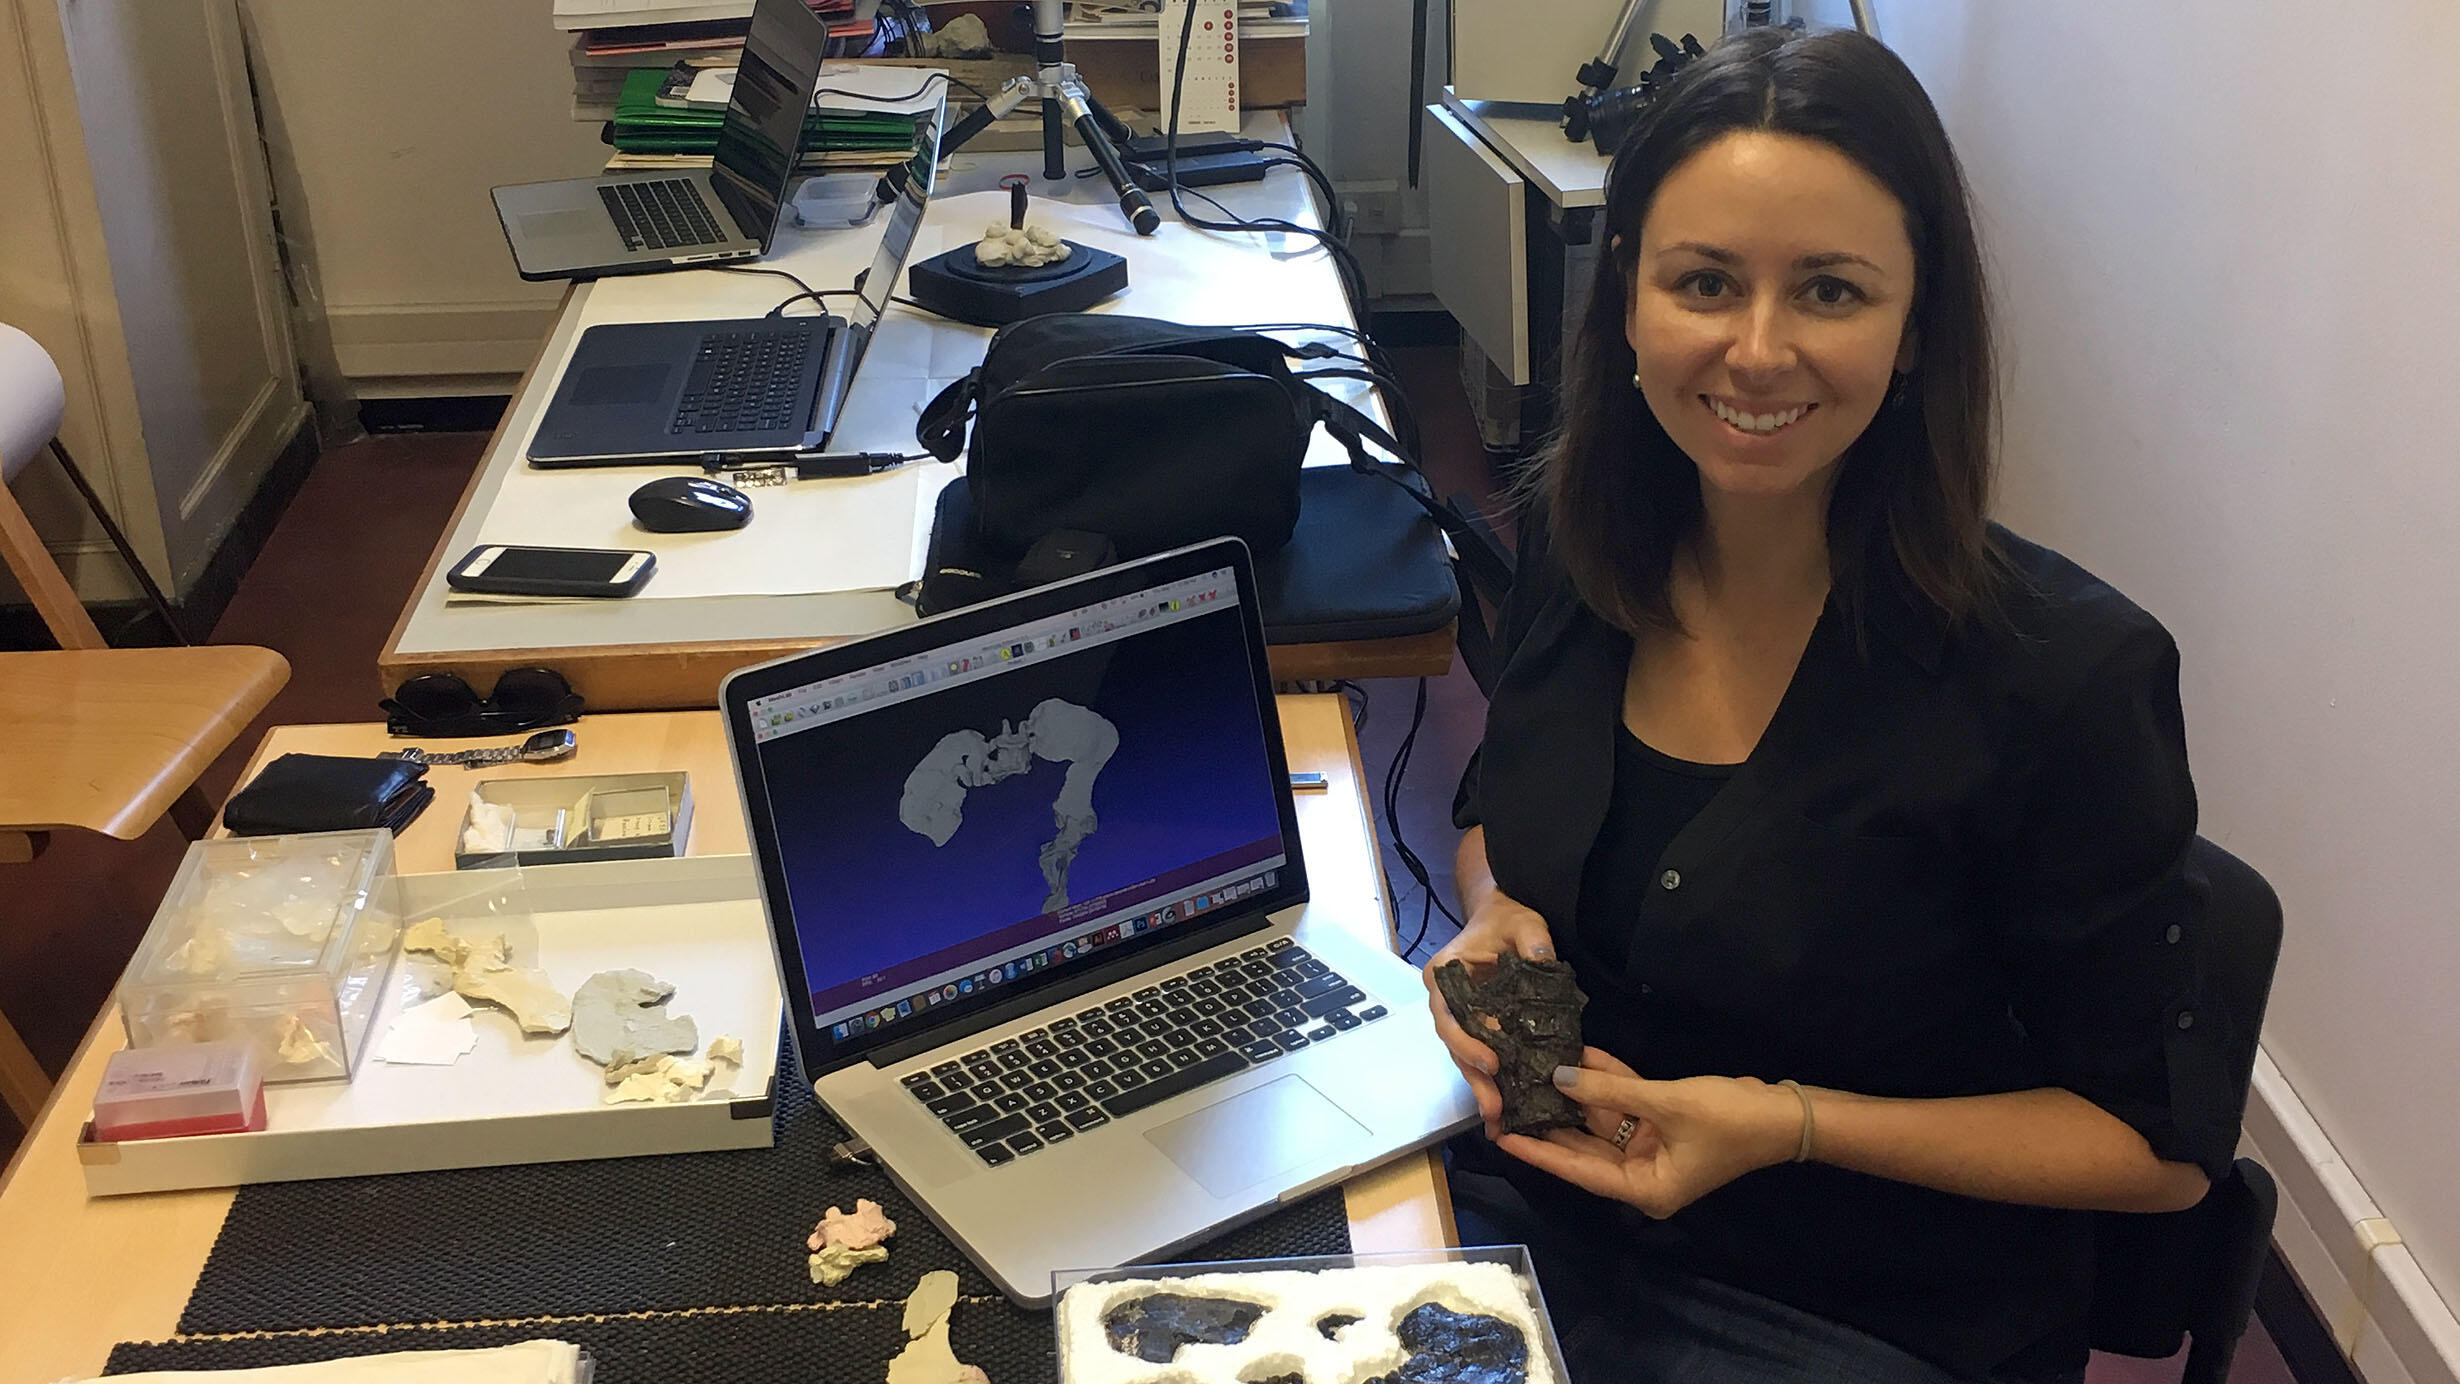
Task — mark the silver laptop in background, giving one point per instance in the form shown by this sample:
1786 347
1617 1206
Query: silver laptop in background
1034 877
632 223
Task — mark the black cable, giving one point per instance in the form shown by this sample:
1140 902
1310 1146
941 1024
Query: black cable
1315 174
817 295
1345 263
979 94
1430 904
914 95
1356 694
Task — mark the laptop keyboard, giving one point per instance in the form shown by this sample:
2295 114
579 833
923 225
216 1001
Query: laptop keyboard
1047 1085
663 215
746 381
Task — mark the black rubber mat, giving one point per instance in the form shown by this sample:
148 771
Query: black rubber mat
678 1268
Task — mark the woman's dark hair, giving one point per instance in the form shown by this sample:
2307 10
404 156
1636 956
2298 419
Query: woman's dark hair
1620 497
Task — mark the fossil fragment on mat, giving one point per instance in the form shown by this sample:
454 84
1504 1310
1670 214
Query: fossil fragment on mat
927 1357
864 1226
831 1263
844 1241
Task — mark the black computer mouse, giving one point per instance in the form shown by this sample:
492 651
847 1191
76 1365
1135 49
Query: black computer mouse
690 504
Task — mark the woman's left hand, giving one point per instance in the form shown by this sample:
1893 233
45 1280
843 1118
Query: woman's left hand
1693 1136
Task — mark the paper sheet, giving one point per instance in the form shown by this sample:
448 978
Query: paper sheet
857 87
434 1034
849 534
530 1362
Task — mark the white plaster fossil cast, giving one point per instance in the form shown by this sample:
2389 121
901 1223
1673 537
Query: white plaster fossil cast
933 804
619 1017
483 970
844 1241
1028 247
927 1357
665 1079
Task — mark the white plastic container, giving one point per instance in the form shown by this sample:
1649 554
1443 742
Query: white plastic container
835 199
280 942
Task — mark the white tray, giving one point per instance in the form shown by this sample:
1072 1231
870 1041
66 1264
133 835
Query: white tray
695 922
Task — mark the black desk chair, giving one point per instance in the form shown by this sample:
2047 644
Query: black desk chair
2162 1280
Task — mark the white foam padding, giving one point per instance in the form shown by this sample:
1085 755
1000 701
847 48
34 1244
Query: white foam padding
1285 1338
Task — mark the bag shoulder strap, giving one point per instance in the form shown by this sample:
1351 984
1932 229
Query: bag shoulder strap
945 420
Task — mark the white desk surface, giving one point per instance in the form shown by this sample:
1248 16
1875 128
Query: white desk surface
1571 175
1180 273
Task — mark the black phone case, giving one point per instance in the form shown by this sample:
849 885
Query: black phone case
492 585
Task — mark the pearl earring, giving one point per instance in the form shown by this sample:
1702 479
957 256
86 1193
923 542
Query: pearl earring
1635 379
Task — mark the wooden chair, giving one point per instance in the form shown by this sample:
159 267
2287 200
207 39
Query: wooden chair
102 739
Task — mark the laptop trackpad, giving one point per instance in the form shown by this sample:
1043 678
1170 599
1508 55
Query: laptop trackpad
1251 1136
576 221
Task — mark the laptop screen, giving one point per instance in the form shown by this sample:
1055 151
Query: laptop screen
904 221
761 140
1033 796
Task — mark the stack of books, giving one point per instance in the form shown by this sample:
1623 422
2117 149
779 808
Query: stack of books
671 117
613 39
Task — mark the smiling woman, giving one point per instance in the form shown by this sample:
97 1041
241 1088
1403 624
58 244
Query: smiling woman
1862 823
1802 242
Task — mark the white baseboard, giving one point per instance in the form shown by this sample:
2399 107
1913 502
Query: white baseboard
2387 1318
386 341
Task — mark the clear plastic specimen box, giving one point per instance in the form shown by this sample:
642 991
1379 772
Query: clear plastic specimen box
1329 1317
282 942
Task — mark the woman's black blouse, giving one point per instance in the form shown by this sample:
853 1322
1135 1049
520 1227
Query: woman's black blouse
1954 865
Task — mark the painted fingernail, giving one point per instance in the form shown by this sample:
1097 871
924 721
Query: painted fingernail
1567 1076
1541 952
1489 1065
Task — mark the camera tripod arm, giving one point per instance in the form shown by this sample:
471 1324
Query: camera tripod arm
1003 103
1133 204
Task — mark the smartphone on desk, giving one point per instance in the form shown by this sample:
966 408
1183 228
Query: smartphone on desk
508 570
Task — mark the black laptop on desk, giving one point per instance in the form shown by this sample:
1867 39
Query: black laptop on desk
632 223
747 389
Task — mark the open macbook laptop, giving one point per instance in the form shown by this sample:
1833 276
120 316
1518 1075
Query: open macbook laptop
1034 877
749 389
630 223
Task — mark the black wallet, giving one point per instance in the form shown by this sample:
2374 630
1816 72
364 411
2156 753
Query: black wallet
319 792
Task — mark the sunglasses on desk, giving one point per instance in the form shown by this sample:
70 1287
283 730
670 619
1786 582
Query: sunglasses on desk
441 704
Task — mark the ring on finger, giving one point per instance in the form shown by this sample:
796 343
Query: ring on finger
1623 1131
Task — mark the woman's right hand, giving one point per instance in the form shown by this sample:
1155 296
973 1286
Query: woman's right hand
1500 924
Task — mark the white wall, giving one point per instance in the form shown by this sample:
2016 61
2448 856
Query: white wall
138 252
179 178
391 119
2227 246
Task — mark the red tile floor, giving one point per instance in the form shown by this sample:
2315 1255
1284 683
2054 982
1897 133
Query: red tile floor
336 572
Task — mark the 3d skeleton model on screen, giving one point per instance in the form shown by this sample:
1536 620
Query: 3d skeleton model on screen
933 804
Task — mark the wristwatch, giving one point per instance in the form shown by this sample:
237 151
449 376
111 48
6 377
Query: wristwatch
545 747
